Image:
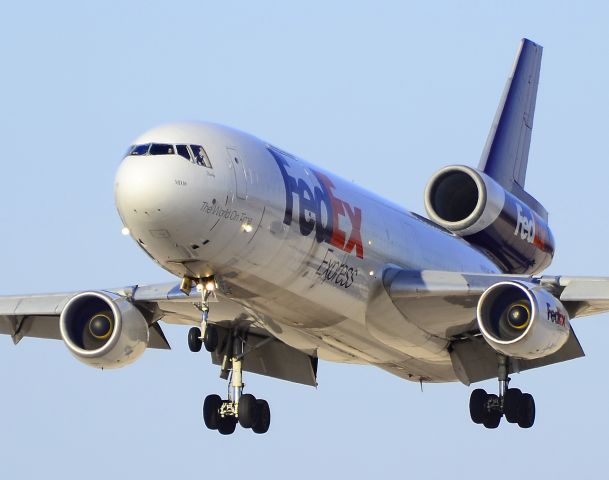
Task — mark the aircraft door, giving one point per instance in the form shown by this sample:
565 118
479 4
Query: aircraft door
237 164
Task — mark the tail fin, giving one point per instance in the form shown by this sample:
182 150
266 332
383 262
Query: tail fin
506 153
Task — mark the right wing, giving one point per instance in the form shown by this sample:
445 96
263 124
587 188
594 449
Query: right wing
38 316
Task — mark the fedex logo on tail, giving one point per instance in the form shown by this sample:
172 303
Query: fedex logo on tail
532 229
525 225
335 221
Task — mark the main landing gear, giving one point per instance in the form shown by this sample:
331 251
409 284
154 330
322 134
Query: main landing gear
245 409
517 407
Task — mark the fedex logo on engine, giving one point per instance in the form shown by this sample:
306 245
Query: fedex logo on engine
334 220
556 316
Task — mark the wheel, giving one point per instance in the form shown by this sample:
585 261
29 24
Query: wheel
492 418
477 405
194 339
511 404
226 425
526 411
210 339
263 422
211 411
248 410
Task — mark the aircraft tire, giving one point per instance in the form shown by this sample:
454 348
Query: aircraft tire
477 403
210 339
511 404
248 410
492 418
263 422
526 411
226 425
194 340
211 414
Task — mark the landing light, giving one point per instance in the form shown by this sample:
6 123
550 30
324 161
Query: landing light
247 227
209 286
125 231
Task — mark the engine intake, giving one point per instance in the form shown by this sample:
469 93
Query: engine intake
522 321
103 330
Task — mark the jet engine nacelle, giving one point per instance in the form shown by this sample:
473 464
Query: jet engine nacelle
522 320
103 330
471 204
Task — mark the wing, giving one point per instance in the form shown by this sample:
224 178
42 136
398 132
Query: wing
444 305
582 296
437 293
38 316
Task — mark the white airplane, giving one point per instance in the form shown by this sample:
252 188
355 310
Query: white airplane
281 263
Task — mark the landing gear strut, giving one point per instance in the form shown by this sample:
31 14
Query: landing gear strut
517 407
245 409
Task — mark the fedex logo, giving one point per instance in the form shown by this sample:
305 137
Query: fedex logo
334 220
556 316
525 226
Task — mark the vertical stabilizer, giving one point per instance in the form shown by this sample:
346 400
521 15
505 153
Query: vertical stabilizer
506 153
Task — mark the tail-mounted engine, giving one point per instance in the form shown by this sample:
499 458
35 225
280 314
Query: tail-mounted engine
522 321
103 330
469 203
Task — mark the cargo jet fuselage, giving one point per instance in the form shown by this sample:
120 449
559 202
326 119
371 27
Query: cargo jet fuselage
307 247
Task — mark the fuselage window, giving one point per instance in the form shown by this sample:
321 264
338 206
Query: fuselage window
140 149
161 149
183 151
200 156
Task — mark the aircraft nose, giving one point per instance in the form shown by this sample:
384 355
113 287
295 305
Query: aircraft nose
145 188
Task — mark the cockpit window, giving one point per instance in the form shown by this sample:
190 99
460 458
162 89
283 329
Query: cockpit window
200 156
139 149
184 152
193 153
161 149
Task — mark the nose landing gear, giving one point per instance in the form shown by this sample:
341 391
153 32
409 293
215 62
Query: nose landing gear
206 335
517 407
208 339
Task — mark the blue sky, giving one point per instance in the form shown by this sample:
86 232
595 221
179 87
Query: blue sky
382 93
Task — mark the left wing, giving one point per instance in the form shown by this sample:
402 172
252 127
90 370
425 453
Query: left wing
439 293
444 305
582 296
